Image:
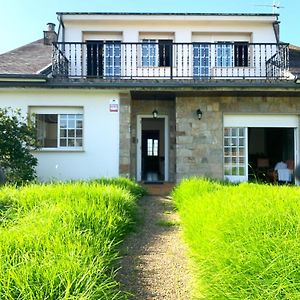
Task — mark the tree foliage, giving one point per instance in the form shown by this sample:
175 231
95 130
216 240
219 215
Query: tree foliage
17 139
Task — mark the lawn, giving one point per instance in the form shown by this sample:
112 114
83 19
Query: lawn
244 240
60 241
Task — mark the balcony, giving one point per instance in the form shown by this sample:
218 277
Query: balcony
163 59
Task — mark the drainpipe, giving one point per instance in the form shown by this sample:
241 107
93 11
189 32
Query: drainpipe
61 28
276 30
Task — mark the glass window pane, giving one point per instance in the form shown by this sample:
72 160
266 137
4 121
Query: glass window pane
78 132
71 133
71 143
63 142
78 143
63 133
71 123
47 130
226 131
155 148
63 123
226 142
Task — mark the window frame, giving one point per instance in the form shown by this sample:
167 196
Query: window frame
162 53
59 112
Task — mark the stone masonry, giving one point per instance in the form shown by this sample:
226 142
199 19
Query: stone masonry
199 143
125 130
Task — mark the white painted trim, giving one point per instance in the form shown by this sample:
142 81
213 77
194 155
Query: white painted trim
57 110
282 121
239 178
139 145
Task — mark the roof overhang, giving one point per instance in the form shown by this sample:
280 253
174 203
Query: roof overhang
94 16
23 78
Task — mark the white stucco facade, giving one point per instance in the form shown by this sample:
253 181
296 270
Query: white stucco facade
113 70
100 152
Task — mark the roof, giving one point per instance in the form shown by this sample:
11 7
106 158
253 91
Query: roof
28 59
166 14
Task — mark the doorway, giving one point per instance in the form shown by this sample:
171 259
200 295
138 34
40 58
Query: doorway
254 144
152 149
266 148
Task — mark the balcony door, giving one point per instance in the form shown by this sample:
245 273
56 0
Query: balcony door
103 59
201 60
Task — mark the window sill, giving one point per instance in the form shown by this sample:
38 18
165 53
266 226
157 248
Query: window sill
59 150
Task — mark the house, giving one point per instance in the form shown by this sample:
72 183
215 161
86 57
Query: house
158 96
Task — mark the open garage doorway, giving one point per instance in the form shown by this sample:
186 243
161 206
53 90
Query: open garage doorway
266 148
254 144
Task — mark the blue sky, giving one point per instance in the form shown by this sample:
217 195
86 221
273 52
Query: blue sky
22 21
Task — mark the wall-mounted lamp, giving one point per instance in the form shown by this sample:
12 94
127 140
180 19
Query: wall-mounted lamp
297 79
199 113
155 114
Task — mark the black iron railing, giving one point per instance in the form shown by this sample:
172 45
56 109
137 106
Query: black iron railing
164 59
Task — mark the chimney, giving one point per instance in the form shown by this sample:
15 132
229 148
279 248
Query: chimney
50 36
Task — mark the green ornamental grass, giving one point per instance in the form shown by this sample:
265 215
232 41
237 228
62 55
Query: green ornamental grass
244 239
59 241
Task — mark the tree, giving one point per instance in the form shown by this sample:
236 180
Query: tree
17 139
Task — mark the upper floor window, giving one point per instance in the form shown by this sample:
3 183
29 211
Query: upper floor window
103 58
232 54
149 53
157 53
241 54
201 59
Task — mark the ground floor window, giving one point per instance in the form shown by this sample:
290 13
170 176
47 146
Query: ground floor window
59 128
235 162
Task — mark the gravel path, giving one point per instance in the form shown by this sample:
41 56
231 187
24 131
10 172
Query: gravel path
154 263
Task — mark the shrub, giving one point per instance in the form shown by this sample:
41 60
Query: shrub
17 138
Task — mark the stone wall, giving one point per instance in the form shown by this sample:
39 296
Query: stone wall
125 131
199 143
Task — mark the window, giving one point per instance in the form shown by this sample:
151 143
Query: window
165 53
149 53
235 152
156 53
59 130
113 58
224 55
103 58
152 147
201 60
241 54
232 54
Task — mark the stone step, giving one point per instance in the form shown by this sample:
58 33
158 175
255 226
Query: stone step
159 189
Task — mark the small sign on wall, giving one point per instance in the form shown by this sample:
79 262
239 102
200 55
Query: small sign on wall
113 105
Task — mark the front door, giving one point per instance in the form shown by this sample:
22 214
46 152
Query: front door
152 149
150 155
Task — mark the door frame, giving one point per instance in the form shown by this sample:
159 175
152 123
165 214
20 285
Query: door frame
139 145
